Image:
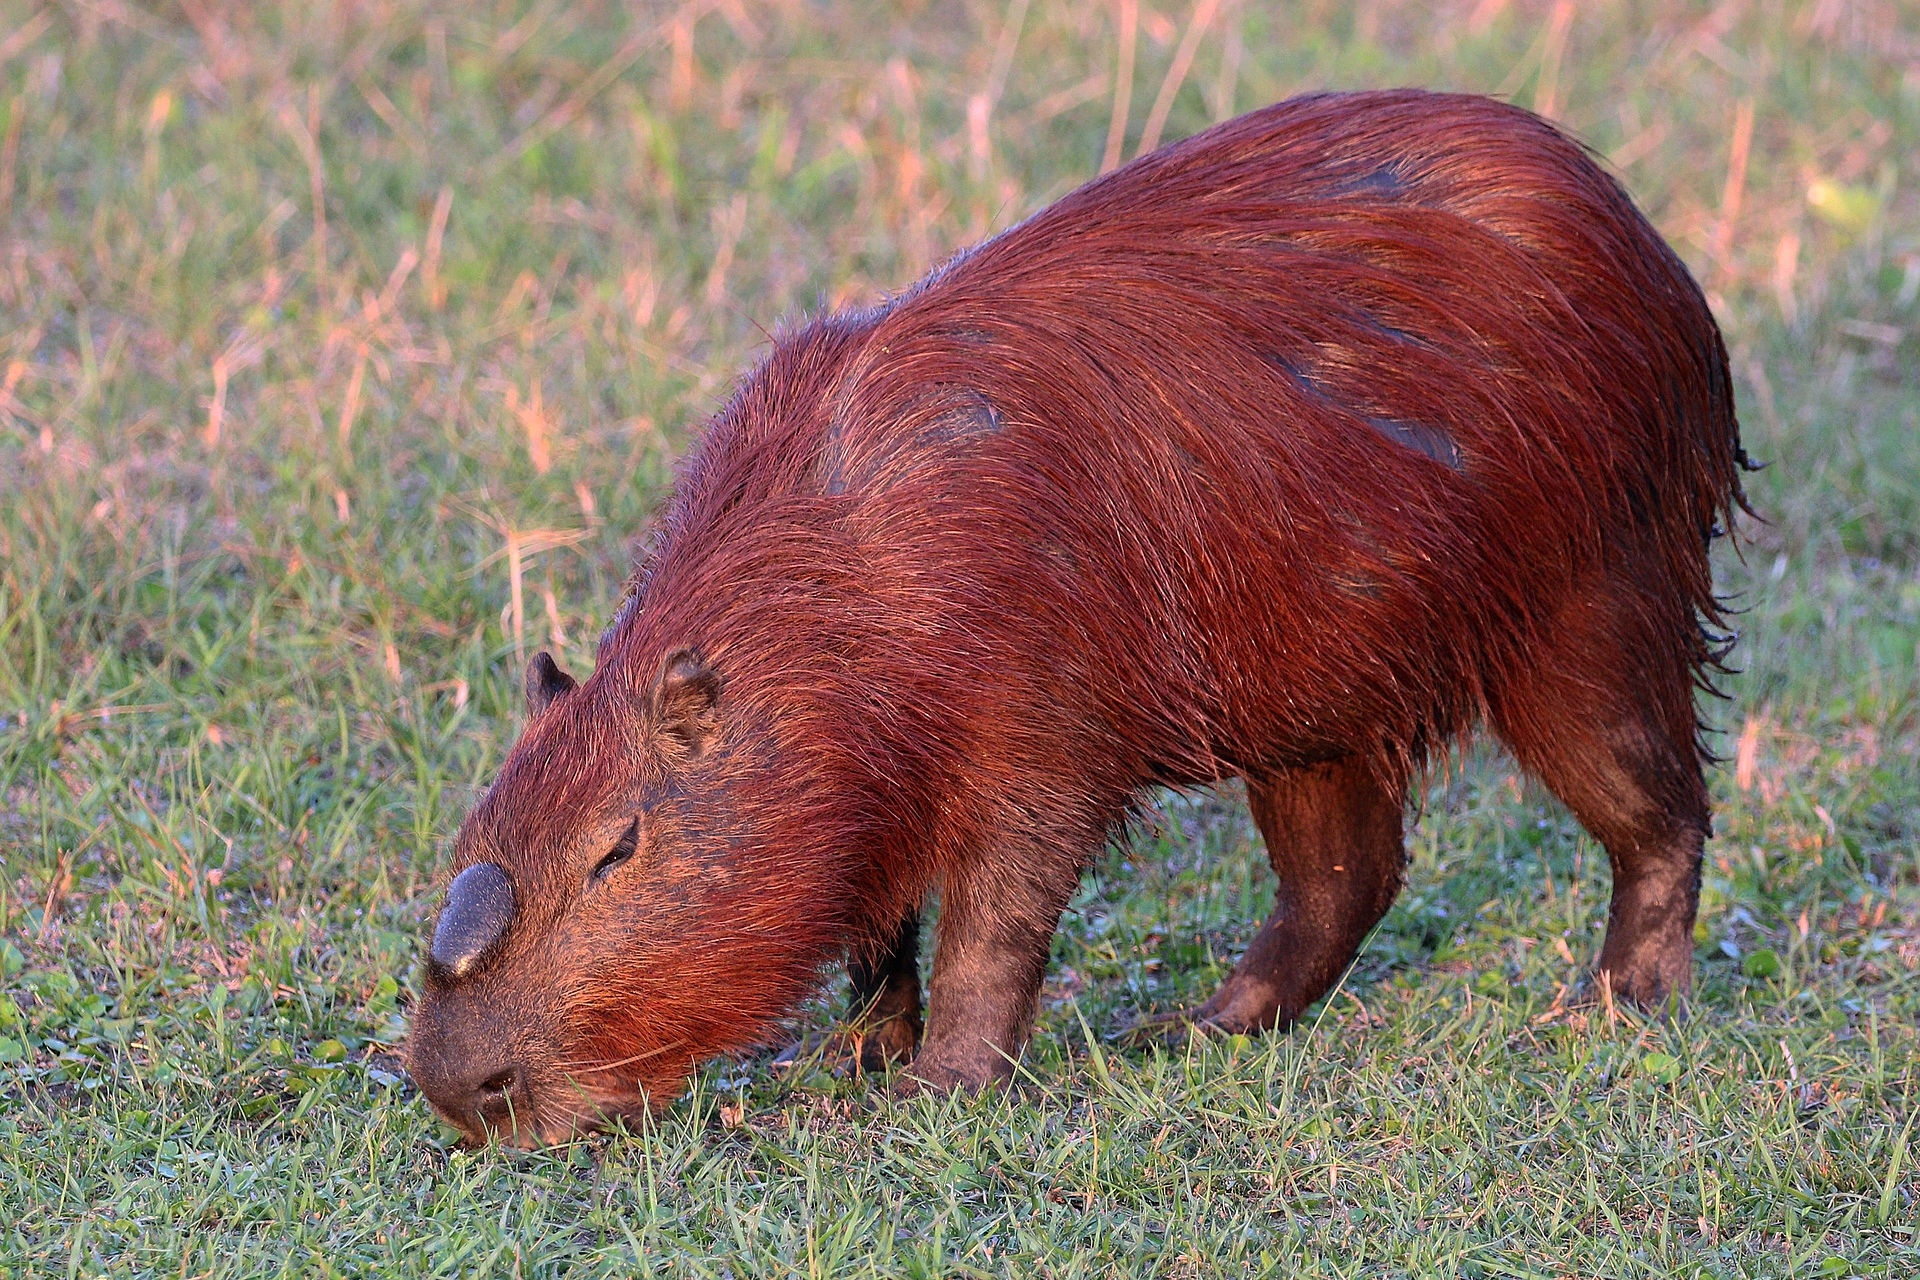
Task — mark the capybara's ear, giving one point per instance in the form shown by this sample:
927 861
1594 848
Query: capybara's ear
545 682
684 699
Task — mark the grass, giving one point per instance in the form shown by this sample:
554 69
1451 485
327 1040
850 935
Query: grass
345 348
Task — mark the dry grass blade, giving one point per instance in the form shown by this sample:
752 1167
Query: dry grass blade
1129 17
1196 29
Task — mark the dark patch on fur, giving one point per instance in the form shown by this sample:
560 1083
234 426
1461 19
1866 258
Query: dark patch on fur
1432 441
937 426
1385 183
1418 436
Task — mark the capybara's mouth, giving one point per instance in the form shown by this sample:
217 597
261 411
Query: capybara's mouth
516 1091
557 1121
525 1133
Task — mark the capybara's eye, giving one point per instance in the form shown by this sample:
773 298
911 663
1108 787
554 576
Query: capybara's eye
622 850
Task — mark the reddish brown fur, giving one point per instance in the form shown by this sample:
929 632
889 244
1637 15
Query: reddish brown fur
1293 451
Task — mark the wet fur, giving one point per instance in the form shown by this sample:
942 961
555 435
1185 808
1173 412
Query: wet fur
1297 450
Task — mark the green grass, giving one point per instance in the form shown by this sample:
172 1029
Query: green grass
345 350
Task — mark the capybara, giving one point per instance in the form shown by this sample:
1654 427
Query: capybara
1295 451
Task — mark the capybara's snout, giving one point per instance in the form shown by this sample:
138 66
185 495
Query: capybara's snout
464 1062
467 1050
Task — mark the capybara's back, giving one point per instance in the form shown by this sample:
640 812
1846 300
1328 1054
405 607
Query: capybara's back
1294 451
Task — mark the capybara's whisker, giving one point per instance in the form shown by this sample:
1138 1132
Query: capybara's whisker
1299 451
593 1065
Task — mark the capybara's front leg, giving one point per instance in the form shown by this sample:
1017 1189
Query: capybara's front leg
1333 834
996 932
885 1000
883 1022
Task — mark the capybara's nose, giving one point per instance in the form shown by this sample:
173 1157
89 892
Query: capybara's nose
491 1097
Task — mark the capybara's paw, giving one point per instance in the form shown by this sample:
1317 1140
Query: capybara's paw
930 1075
1175 1030
908 1085
1652 989
1650 969
854 1052
890 1043
1167 1030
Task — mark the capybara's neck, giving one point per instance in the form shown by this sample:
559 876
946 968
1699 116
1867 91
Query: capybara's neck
827 780
824 761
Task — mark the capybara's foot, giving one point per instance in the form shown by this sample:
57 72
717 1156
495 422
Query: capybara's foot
888 1043
934 1073
1656 988
1648 957
1176 1030
856 1051
911 1084
1166 1030
1245 1005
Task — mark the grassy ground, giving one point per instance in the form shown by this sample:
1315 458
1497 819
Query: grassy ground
342 349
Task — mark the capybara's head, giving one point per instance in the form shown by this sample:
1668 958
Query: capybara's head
572 973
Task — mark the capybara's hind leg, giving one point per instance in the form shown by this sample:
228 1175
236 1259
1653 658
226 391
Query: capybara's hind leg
1333 834
1606 720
